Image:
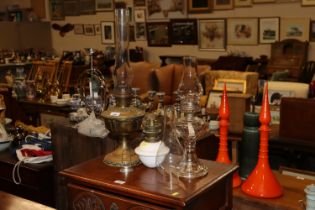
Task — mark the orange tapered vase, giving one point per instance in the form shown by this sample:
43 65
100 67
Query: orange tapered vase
262 182
223 156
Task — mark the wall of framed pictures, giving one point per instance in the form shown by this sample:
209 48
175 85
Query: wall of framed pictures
263 22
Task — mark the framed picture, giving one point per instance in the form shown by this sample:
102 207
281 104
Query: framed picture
223 4
183 31
214 100
295 28
243 3
200 6
312 31
165 9
269 30
140 31
104 5
242 31
212 34
158 34
139 15
232 85
286 1
139 3
308 2
107 31
97 29
78 29
263 1
89 30
56 10
130 9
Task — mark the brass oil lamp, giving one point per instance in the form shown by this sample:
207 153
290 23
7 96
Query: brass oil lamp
122 119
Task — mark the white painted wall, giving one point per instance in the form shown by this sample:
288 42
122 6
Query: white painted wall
79 42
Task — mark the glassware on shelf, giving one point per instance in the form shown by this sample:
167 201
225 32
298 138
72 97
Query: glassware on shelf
160 110
169 167
30 89
189 126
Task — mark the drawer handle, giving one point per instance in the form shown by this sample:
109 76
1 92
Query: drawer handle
85 201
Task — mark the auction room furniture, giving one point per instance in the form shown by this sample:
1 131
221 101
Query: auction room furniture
9 201
288 54
93 183
37 179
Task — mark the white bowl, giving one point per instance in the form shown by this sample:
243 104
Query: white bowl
214 125
151 158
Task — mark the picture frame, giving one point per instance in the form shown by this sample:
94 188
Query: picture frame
139 15
212 34
295 28
312 31
242 31
263 1
269 30
232 85
223 4
107 32
78 29
183 31
140 31
156 10
97 29
200 6
89 30
158 34
286 1
139 3
308 2
214 100
57 11
104 5
243 3
131 15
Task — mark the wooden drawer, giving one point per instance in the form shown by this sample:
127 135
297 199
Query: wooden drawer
85 198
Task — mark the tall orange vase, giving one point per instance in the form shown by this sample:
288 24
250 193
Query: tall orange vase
262 182
223 156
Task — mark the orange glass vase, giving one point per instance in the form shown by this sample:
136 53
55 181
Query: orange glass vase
223 156
262 182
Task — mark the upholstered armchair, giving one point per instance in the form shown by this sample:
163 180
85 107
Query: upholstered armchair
169 76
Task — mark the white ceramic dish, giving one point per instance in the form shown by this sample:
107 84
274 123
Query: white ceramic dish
62 101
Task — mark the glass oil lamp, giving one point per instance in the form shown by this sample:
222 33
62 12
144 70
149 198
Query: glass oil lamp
190 127
122 119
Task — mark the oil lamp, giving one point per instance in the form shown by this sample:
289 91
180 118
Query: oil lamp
122 119
189 125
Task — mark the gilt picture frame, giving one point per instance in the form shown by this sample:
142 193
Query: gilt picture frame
140 31
308 2
212 34
242 31
200 6
232 85
104 5
223 4
89 30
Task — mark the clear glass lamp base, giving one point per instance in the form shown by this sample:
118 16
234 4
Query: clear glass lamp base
191 168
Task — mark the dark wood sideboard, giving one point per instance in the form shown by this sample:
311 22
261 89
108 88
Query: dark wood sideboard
94 184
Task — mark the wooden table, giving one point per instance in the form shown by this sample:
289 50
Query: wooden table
104 187
293 192
37 179
12 202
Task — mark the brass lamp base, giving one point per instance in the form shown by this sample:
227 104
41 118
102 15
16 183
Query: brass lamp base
122 157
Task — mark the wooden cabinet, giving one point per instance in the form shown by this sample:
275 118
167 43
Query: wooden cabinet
289 54
94 184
